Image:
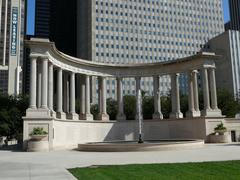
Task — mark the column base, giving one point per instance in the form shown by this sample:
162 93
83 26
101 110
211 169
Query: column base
157 116
53 113
89 117
176 115
193 114
39 113
82 116
61 115
73 116
121 117
103 117
211 113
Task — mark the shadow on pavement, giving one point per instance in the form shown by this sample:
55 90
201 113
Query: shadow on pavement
13 148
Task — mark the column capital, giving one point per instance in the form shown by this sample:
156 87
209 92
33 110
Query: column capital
138 78
195 71
44 58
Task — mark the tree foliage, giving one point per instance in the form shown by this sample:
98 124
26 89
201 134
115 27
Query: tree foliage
11 111
129 106
227 103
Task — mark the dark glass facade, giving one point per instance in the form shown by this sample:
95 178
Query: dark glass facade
234 6
56 20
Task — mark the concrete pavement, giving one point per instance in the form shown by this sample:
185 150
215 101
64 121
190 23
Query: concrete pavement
53 165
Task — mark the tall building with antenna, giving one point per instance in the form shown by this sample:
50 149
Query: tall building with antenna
11 45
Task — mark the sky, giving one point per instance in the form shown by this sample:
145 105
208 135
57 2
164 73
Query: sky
31 15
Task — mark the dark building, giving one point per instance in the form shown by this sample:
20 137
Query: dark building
234 6
56 20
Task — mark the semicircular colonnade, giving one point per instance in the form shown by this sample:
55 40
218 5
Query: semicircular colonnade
45 59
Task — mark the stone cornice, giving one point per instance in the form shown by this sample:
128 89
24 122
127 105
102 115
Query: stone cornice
44 48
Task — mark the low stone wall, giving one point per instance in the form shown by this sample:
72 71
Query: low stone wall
65 134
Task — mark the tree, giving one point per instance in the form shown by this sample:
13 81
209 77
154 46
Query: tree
148 107
112 108
130 106
227 103
11 111
166 106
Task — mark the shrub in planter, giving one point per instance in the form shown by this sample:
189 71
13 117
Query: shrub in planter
220 129
38 134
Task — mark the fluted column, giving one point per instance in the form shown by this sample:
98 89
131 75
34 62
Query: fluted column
138 88
213 91
50 86
102 100
120 116
39 84
206 98
33 83
73 114
82 97
66 92
88 114
195 94
175 95
50 89
44 83
157 99
60 113
191 109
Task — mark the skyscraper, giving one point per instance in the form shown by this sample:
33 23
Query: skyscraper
144 31
11 45
56 20
140 31
234 6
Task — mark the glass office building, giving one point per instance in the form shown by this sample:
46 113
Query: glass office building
11 45
145 31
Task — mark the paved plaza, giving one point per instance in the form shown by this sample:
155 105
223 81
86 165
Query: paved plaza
53 165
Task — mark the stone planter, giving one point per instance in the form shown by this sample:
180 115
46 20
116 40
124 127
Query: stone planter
38 144
219 138
38 137
221 132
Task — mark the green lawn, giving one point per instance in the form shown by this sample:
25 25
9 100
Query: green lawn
229 170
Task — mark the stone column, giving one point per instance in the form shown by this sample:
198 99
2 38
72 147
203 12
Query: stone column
66 92
120 116
102 100
88 115
73 114
39 85
33 83
175 95
195 94
82 97
138 87
60 113
213 89
157 99
214 103
191 109
44 84
206 98
50 87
